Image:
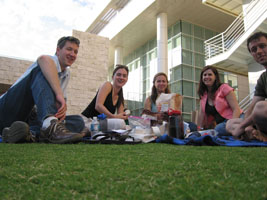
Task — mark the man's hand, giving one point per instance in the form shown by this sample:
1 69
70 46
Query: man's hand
61 106
238 130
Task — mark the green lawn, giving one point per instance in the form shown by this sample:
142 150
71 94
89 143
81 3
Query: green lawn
143 171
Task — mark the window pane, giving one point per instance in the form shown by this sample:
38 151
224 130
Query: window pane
197 74
198 45
199 60
198 32
175 87
176 73
187 104
170 33
186 28
188 89
176 29
188 73
186 42
187 57
208 34
176 42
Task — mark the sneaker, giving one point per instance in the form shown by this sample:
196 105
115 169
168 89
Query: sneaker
18 132
57 133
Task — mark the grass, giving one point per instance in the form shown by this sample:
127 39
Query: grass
143 171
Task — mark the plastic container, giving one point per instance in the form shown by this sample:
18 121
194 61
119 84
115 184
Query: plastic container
103 123
176 125
94 126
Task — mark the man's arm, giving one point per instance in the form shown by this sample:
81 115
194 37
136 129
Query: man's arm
48 67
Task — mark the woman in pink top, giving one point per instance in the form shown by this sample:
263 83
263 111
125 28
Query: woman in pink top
218 102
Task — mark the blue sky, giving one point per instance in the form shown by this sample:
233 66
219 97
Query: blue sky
29 28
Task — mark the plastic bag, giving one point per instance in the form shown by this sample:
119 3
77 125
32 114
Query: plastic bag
169 101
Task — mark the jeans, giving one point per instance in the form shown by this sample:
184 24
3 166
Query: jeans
221 127
17 103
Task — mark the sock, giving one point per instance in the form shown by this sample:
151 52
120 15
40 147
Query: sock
47 122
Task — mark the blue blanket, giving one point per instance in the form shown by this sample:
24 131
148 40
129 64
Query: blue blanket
208 140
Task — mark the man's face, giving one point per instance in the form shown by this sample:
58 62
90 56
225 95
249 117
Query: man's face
67 55
258 49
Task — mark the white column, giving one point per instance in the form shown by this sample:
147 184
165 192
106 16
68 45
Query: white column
118 55
162 42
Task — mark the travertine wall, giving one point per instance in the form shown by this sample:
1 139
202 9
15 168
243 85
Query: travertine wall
87 74
89 71
11 69
243 87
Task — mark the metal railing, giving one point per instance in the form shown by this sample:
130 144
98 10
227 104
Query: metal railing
224 41
244 104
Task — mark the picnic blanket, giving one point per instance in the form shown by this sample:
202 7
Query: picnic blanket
209 140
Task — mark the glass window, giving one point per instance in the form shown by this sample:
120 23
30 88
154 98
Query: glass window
176 29
176 87
198 45
176 57
186 42
137 64
186 28
188 88
199 60
232 81
187 57
208 34
151 55
187 117
197 74
222 78
169 45
187 104
188 73
143 60
170 32
198 32
176 42
176 73
196 90
152 44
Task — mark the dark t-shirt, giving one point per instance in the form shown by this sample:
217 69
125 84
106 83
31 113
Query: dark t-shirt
90 111
261 87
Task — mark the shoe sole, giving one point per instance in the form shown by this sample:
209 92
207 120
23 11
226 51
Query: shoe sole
16 132
74 139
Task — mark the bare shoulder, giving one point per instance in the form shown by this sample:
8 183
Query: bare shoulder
107 86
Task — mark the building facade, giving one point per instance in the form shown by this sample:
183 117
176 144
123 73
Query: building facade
174 37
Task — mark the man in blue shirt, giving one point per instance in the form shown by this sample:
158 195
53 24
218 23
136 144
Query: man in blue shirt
42 88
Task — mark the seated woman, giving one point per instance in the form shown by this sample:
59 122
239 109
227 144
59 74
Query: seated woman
110 96
218 102
160 85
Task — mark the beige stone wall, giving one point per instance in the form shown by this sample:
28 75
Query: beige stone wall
87 74
89 71
11 69
243 87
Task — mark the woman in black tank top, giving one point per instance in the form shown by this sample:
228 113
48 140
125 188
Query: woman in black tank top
109 97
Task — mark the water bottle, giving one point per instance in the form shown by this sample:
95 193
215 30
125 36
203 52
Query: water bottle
95 126
176 126
103 124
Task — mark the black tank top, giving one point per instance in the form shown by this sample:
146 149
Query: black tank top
211 110
90 111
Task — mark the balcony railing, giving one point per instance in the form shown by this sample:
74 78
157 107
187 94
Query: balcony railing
223 42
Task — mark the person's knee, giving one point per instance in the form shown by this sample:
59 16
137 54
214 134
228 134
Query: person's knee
260 110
